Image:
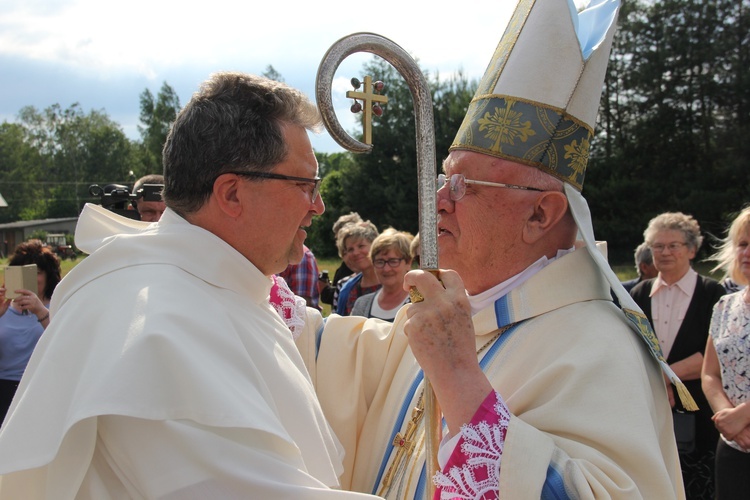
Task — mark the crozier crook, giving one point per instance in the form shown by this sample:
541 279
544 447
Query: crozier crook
426 171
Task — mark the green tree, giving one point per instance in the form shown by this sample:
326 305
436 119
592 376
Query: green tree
672 119
20 165
157 115
64 151
382 185
272 74
332 167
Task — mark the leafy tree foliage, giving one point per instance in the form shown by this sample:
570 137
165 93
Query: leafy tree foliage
20 164
272 74
673 120
672 135
157 116
50 158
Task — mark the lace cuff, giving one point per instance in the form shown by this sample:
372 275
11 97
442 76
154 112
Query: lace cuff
290 307
473 470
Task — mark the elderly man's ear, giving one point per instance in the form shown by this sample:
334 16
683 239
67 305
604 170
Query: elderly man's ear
550 208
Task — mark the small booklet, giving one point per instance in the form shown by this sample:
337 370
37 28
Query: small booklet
19 277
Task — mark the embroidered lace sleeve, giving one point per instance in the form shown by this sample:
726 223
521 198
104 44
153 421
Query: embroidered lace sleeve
290 307
473 470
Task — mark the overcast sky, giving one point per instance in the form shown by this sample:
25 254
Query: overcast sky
103 54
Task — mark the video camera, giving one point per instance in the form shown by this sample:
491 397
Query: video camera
116 197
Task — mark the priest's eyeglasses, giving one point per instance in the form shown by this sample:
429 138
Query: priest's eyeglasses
457 185
380 263
315 181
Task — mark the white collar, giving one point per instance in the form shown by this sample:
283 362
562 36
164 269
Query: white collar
484 299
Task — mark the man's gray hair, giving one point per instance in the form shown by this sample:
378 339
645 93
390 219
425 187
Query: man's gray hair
234 122
643 255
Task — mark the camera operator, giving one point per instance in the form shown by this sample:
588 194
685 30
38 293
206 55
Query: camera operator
150 210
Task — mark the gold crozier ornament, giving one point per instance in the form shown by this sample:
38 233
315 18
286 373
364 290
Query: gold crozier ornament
368 97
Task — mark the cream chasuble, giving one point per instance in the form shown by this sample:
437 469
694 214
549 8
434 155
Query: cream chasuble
590 417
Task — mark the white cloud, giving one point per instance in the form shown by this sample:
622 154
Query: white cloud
103 54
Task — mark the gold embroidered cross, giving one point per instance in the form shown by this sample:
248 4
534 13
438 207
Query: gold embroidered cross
368 98
405 442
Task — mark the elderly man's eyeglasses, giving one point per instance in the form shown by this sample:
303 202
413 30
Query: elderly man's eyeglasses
380 263
315 181
457 185
672 247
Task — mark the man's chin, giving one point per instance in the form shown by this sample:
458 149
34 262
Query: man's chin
447 257
294 257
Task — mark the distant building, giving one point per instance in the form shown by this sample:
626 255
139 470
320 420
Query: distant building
14 233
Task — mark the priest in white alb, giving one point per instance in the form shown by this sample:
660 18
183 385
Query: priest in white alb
165 372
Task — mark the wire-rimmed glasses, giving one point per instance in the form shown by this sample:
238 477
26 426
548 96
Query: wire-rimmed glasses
457 185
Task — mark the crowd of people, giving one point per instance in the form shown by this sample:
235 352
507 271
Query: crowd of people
703 327
157 372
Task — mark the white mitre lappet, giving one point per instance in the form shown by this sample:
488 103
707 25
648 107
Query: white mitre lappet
537 105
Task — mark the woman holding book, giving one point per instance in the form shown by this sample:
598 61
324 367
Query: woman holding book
24 317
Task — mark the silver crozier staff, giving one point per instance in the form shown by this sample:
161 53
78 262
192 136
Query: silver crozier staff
426 173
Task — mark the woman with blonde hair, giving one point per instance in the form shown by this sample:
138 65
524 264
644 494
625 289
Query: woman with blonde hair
726 365
390 255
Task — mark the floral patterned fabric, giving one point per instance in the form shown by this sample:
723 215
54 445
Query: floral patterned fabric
730 331
473 470
291 308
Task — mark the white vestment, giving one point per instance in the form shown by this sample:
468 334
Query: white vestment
165 373
589 412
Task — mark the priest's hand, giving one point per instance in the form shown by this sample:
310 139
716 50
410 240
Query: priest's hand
441 336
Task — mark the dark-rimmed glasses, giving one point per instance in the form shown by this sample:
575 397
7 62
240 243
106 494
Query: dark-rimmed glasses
458 185
315 181
380 263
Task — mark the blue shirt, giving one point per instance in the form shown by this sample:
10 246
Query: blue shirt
19 334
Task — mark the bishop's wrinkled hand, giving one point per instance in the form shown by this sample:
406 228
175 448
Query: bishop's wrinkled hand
441 336
440 330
